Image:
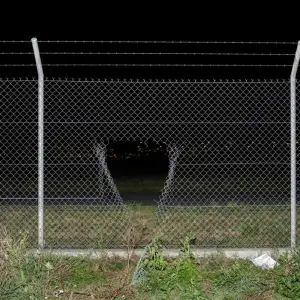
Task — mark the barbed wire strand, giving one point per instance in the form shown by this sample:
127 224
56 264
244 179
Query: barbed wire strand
167 65
144 65
172 42
15 41
150 53
165 53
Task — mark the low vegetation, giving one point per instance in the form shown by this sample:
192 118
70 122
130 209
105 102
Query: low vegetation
94 226
25 275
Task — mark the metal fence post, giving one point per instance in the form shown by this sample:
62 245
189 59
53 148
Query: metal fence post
40 143
293 147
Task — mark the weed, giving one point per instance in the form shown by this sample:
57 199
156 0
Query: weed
288 283
185 250
29 276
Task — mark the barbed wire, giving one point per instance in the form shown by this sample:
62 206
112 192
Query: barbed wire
146 65
164 53
17 65
165 65
15 41
172 42
16 53
151 53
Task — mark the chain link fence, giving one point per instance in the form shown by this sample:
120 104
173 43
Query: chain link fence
18 157
228 145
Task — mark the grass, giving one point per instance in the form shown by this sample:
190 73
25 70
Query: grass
153 183
92 226
25 276
88 226
215 277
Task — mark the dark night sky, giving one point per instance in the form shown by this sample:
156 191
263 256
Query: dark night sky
205 23
150 72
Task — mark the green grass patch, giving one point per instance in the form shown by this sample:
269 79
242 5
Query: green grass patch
46 276
140 184
96 226
214 277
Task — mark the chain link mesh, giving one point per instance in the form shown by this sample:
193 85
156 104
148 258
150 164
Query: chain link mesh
18 157
228 145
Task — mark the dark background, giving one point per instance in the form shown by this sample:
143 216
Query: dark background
150 72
